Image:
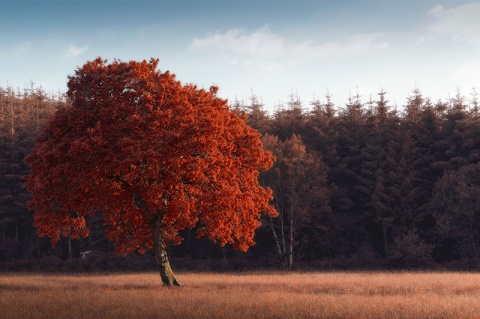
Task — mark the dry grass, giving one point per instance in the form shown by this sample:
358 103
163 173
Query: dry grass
257 295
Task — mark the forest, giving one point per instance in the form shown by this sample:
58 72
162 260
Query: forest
364 185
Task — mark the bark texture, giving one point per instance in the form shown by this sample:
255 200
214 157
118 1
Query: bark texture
160 250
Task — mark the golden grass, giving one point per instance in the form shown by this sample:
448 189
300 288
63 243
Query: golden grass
255 295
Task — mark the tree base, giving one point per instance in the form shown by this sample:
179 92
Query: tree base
173 283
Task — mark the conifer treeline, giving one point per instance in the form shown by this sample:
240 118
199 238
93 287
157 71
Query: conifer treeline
23 115
374 186
360 185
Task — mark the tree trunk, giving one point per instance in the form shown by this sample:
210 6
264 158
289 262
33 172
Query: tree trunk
290 244
38 247
281 253
160 250
282 237
69 248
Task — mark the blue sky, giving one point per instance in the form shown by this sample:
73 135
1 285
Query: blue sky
271 48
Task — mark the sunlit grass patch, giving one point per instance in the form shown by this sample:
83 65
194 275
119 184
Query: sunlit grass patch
253 295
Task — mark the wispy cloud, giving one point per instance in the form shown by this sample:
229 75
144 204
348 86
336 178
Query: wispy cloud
461 23
272 52
364 43
262 42
355 44
73 50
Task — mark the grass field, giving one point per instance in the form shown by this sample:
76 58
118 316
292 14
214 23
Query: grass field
251 295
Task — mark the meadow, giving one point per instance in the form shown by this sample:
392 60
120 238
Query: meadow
243 295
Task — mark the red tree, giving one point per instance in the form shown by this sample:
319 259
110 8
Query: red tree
154 156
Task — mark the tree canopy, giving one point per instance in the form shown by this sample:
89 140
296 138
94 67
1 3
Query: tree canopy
153 155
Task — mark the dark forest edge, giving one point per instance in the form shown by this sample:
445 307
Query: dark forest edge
357 186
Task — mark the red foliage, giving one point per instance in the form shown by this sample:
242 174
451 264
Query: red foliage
137 144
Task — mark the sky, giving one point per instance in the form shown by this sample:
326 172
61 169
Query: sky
269 48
